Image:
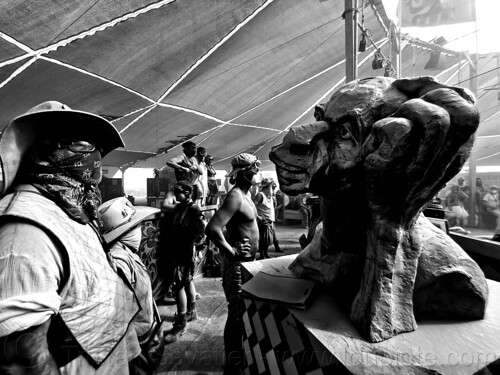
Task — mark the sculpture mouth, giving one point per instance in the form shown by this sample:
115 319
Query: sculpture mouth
286 167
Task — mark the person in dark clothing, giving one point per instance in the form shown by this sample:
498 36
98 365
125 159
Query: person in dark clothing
186 230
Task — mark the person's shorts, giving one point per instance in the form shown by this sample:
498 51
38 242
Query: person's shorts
183 275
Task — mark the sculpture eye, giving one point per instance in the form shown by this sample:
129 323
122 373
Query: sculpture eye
345 133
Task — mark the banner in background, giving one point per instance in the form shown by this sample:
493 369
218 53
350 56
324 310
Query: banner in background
425 13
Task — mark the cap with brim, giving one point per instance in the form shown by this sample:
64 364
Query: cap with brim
240 162
119 215
50 119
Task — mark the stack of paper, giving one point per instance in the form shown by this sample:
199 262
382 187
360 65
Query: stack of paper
279 285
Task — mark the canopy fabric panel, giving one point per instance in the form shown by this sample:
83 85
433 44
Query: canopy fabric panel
233 76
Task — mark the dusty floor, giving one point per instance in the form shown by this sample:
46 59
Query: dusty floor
201 350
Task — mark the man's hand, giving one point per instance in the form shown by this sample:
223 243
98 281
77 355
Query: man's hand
242 248
27 352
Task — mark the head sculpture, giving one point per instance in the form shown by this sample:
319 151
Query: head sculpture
383 149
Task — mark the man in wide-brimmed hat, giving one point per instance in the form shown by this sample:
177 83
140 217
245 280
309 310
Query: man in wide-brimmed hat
264 203
120 224
238 215
62 305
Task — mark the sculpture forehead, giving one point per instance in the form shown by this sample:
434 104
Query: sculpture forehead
362 95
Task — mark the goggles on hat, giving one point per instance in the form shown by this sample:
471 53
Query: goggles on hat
254 167
78 146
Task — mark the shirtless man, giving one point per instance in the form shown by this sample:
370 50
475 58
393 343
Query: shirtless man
238 214
186 166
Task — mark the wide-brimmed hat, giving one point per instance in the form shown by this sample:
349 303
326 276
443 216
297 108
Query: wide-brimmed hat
118 216
242 161
266 181
50 119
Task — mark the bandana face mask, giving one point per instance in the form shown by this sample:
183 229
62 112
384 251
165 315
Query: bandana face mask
70 175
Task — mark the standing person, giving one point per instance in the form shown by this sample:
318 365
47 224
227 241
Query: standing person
213 188
186 166
454 202
186 230
492 205
266 217
298 203
239 215
464 193
202 180
122 232
54 271
480 191
276 244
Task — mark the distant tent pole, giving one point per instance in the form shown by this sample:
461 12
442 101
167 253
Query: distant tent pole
123 169
351 40
399 57
472 157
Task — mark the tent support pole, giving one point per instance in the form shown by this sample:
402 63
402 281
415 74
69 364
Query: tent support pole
351 40
122 169
472 158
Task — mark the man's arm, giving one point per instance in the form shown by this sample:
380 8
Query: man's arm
231 205
175 163
258 198
27 352
199 167
28 251
462 195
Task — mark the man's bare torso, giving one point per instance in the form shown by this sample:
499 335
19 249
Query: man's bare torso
243 224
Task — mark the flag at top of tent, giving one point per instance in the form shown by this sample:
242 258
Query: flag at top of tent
424 13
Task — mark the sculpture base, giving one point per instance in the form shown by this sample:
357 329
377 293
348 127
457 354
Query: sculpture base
322 339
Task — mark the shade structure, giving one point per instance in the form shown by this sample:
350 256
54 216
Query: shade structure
233 76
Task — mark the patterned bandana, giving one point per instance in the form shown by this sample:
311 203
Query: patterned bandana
70 178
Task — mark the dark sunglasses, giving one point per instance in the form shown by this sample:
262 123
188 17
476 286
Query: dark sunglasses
78 146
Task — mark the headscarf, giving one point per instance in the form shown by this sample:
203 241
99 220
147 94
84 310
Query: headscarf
69 178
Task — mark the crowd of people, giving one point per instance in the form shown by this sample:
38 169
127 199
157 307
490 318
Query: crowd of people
486 211
75 297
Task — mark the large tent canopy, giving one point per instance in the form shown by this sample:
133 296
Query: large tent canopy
233 76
